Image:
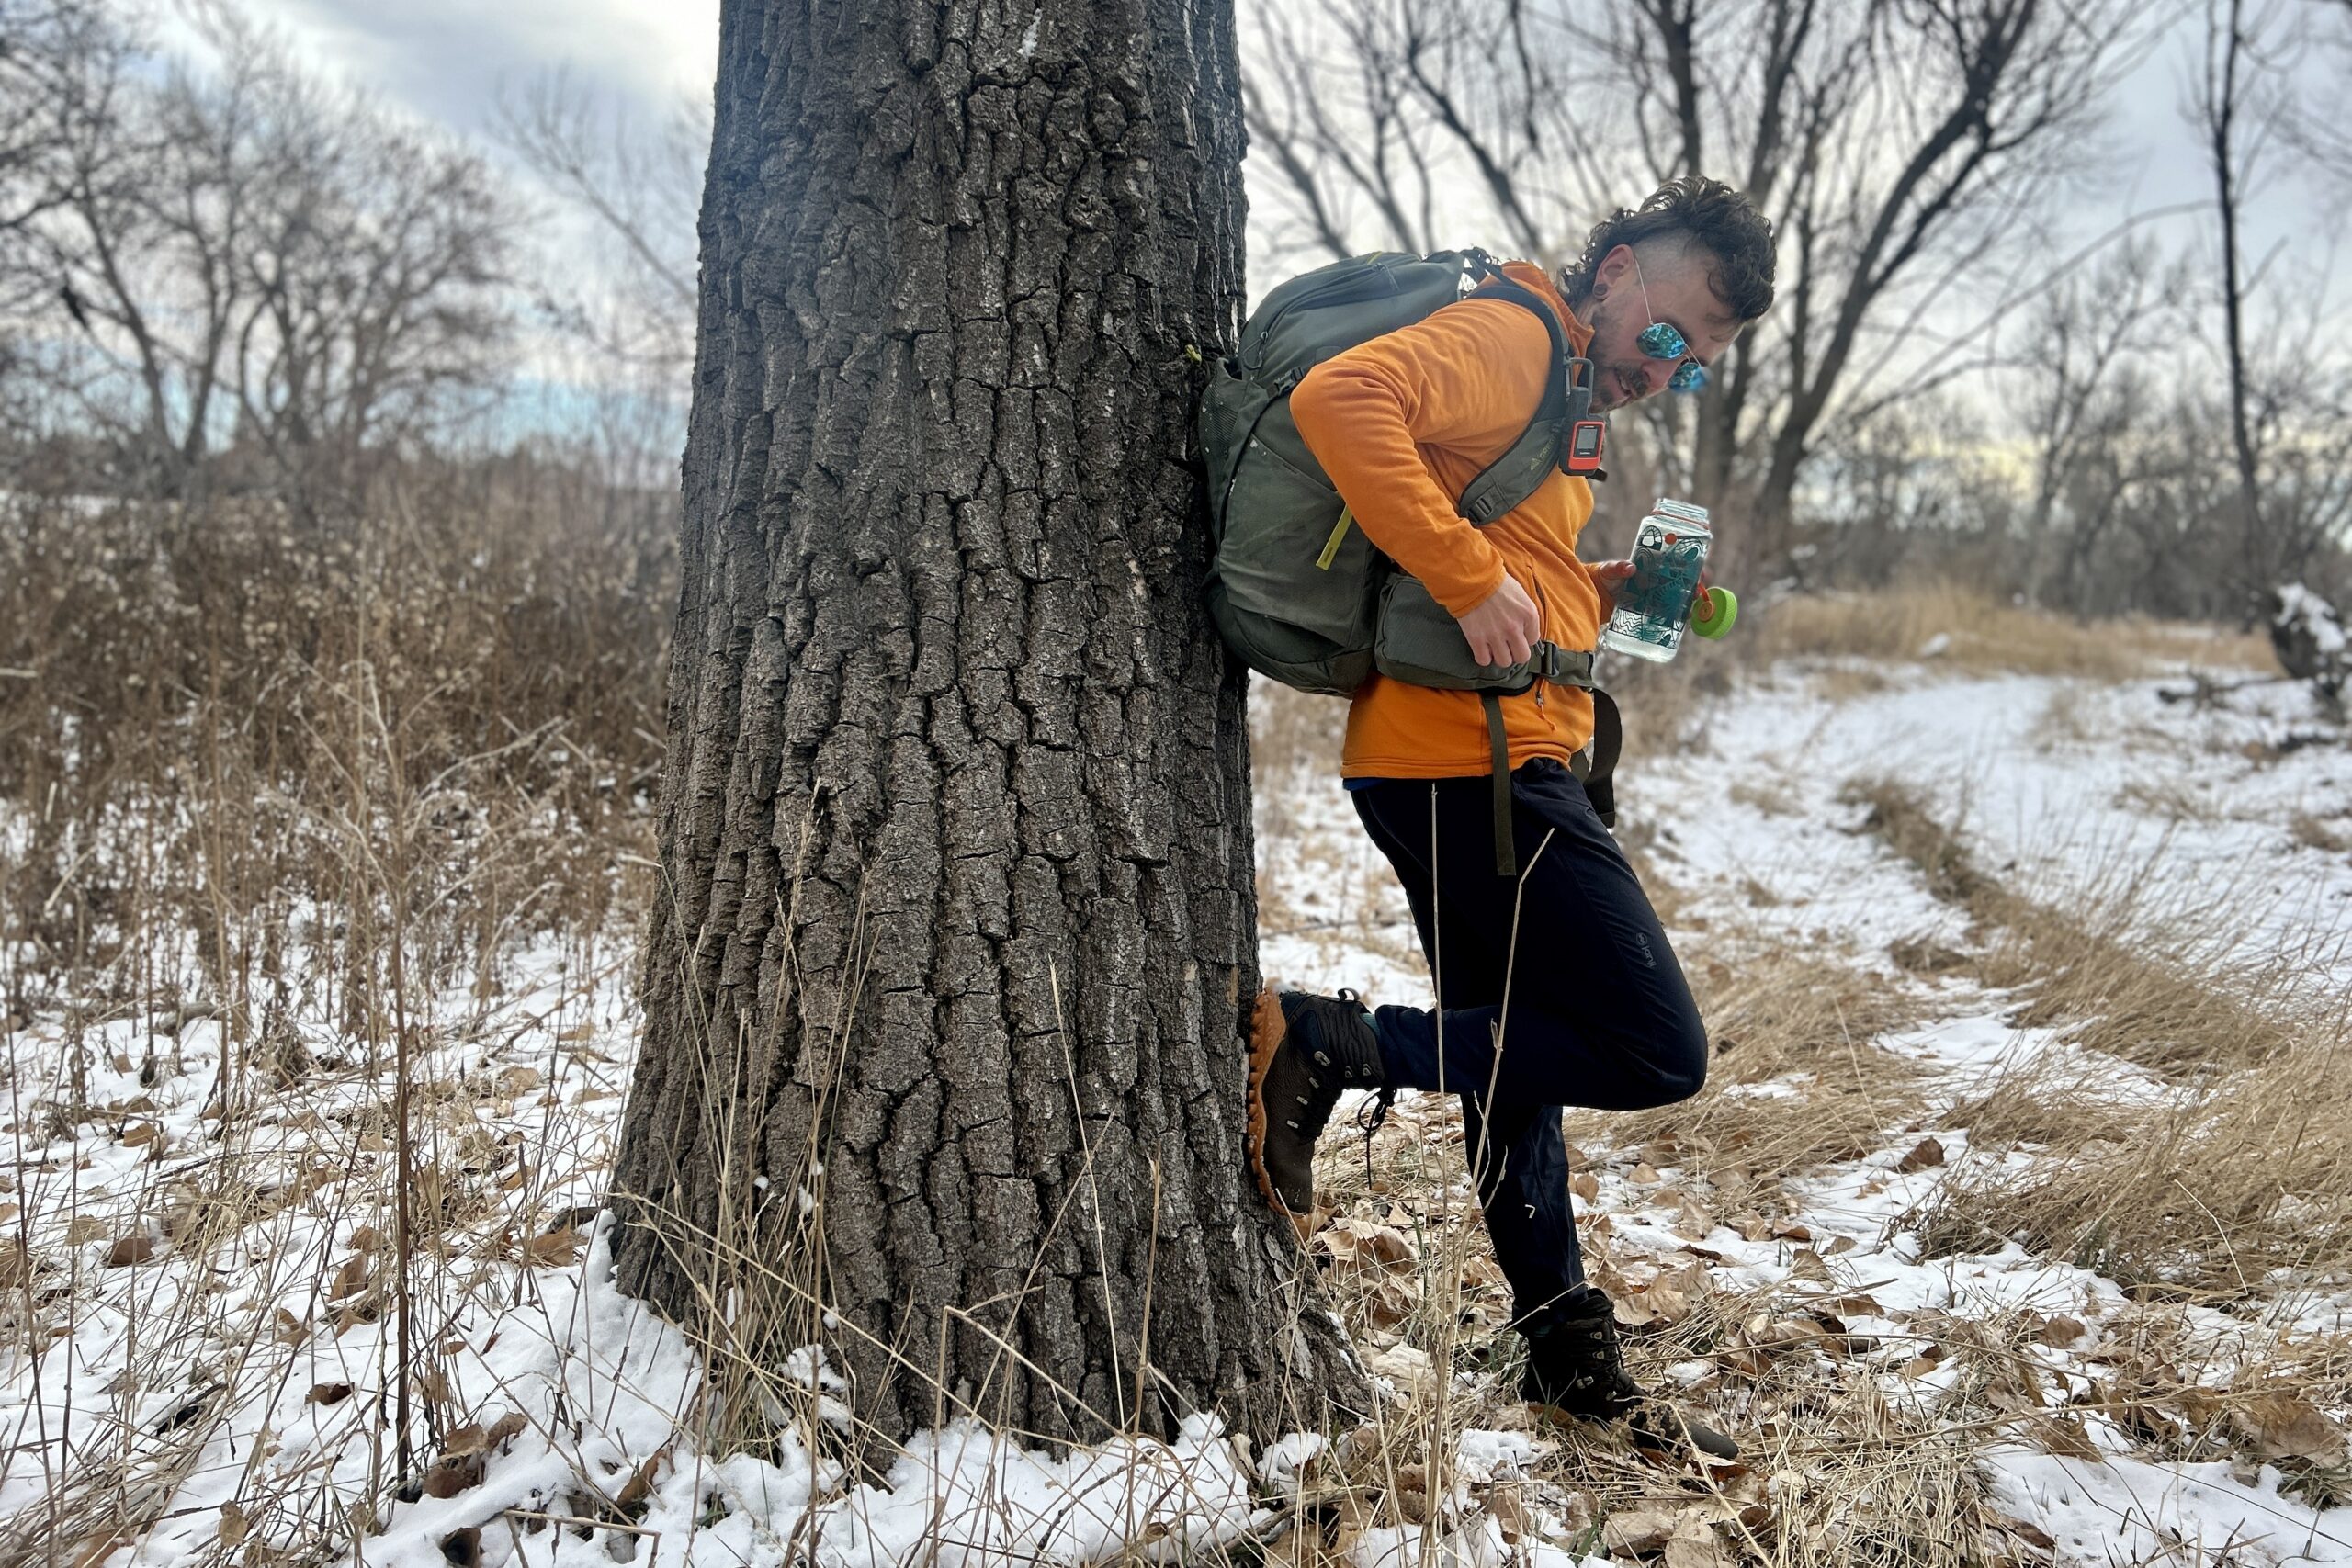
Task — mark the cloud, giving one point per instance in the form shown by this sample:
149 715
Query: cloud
446 60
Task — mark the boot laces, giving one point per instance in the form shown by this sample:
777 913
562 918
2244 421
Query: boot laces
1374 1114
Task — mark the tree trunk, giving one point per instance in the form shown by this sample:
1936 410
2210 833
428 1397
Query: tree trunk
2221 107
944 1060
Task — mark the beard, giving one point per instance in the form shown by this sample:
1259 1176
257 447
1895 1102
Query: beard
1612 389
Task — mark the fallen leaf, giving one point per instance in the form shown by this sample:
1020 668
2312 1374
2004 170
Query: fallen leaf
2286 1425
1792 1230
1666 1303
2064 1435
1408 1494
1585 1185
98 1547
463 1441
462 1549
555 1250
84 1228
2032 1535
351 1278
508 1426
452 1476
328 1393
1631 1309
2062 1331
1924 1155
518 1080
1645 1175
130 1249
1360 1242
1510 1514
233 1524
1807 1264
1695 1550
1639 1531
366 1239
1840 1244
1389 1300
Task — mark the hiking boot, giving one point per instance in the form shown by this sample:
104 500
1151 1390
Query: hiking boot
1304 1050
1575 1368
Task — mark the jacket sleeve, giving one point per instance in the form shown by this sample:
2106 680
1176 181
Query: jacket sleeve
1469 376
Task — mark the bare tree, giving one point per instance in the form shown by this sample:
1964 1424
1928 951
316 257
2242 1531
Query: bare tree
637 185
1897 144
241 257
2087 406
2241 111
42 42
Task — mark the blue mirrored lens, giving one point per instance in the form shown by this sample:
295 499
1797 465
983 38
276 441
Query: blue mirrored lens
1660 341
1689 378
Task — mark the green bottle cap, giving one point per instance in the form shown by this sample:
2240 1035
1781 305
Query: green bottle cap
1726 611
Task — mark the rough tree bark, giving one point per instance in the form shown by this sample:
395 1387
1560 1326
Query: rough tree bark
943 1065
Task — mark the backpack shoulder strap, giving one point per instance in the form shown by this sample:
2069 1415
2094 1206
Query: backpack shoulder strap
1512 477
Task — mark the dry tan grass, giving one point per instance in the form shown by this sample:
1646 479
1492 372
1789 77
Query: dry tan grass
2233 1192
1779 1012
2312 832
2165 988
2240 1179
1982 635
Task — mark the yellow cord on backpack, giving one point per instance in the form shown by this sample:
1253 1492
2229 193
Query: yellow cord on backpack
1331 545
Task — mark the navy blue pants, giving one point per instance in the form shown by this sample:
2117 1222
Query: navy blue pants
1593 1012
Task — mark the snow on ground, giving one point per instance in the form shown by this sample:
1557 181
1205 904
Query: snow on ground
2070 788
201 1382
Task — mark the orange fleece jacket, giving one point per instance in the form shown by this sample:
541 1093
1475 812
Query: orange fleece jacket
1402 425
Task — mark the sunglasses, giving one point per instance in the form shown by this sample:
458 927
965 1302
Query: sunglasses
1660 340
1663 339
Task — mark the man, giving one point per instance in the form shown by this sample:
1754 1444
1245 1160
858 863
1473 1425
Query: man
1588 1007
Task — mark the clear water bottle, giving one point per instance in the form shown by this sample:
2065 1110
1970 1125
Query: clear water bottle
1653 605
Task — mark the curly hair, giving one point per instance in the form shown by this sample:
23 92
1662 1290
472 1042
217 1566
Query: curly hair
1703 212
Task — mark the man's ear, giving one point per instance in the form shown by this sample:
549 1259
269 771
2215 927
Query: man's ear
1611 269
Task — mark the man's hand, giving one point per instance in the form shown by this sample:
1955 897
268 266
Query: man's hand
1504 627
1608 576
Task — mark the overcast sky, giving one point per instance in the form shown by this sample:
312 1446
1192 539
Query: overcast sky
446 60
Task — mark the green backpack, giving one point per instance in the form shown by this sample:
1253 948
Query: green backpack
1295 589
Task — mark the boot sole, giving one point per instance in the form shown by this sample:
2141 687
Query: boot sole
1268 1029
